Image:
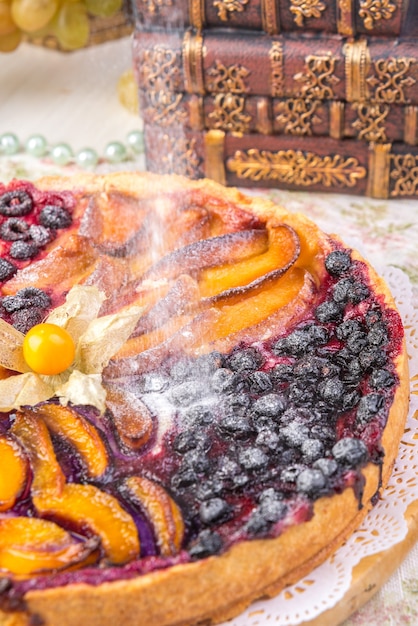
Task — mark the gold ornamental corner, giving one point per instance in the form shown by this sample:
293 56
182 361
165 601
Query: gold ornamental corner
295 167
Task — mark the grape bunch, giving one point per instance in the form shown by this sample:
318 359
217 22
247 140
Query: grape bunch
67 20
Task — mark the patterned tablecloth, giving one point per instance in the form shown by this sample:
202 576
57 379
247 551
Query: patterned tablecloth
387 230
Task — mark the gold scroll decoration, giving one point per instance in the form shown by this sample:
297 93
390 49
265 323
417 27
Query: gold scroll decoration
296 167
372 11
153 7
228 83
404 171
370 122
277 69
173 153
318 78
296 115
197 13
229 114
226 7
345 18
390 80
160 79
305 9
227 78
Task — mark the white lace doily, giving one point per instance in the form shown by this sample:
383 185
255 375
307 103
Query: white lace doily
384 526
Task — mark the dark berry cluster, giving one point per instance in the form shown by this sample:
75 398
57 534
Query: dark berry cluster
26 308
272 423
26 228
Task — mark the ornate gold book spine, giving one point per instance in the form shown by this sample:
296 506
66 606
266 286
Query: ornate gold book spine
349 18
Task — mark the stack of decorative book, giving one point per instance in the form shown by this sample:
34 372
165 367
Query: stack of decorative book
297 94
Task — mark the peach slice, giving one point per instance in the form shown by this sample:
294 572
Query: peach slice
161 510
102 221
64 266
33 434
182 292
13 472
31 546
227 248
279 321
283 251
109 274
90 510
255 308
183 339
131 418
78 431
136 345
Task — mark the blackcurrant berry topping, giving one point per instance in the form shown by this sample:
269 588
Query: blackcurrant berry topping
23 250
53 216
24 319
14 229
329 311
381 379
248 359
7 270
40 235
337 262
214 510
369 406
26 298
350 451
207 544
15 203
310 482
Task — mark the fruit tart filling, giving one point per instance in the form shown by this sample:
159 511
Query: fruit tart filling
258 379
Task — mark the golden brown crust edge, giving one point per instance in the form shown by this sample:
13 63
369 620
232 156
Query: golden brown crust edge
218 588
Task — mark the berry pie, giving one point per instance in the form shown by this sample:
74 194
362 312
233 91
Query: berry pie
201 397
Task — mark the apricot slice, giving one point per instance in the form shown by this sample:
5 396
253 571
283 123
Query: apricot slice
182 292
32 546
136 345
63 266
131 418
255 308
208 253
90 510
283 251
103 221
161 510
78 431
33 434
13 472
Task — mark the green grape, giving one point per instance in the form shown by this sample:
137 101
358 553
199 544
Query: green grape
31 15
10 42
7 25
103 8
71 26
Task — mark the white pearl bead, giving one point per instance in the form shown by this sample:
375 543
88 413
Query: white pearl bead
135 141
115 152
36 145
87 158
9 144
61 154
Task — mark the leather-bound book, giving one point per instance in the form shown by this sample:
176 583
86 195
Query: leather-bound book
391 18
314 67
285 162
240 113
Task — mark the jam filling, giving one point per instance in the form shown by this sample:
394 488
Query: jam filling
244 441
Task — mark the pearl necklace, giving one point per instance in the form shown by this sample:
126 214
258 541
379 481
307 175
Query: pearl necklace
62 154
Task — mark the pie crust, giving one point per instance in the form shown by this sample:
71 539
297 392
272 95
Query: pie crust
219 587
